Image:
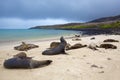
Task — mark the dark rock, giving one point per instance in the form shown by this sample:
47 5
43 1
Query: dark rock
92 38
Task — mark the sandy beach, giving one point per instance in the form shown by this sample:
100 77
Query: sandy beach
79 64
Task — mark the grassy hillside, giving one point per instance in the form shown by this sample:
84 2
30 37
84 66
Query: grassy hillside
103 25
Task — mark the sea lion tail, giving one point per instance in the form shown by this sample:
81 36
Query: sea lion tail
36 64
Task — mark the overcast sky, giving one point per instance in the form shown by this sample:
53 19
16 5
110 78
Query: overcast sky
29 13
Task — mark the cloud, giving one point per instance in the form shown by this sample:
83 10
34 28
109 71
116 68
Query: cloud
21 24
65 9
42 12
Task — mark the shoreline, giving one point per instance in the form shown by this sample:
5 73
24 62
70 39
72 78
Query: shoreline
6 43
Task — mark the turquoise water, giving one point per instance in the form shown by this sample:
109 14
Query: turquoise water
23 34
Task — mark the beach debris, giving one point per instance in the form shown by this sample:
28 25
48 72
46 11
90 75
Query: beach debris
76 46
60 49
92 38
92 46
108 46
110 40
21 60
95 66
25 47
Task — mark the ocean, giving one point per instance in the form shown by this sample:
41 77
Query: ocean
28 34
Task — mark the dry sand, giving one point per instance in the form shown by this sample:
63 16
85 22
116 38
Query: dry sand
80 64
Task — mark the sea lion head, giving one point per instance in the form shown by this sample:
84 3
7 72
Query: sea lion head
63 40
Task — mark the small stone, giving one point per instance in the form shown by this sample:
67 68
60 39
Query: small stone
84 55
101 67
94 66
101 72
108 58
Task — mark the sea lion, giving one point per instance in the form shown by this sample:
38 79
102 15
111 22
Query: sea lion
54 44
76 39
25 47
21 55
13 63
93 46
108 46
60 49
110 40
76 46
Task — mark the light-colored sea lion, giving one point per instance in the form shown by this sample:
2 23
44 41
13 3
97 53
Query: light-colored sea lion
60 49
13 63
93 46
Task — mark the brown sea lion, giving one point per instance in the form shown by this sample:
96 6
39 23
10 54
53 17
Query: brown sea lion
76 46
21 55
55 44
25 47
60 49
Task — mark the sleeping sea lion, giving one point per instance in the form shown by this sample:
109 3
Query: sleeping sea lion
13 63
21 55
25 47
60 49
